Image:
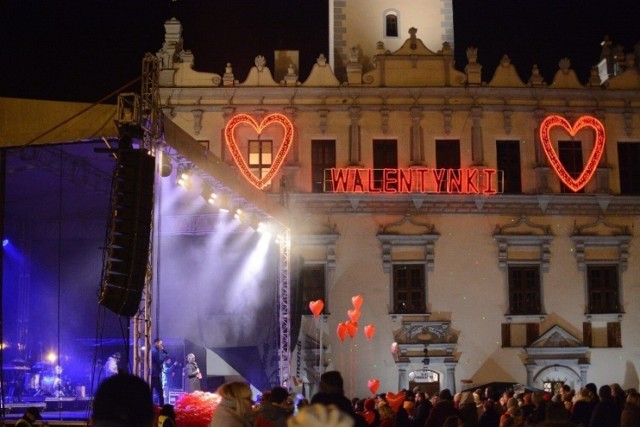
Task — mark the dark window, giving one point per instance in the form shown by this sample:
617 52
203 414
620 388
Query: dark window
524 289
409 291
260 157
385 155
602 282
447 157
628 161
570 155
508 156
313 285
391 25
323 156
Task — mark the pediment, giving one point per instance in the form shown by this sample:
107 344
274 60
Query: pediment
556 337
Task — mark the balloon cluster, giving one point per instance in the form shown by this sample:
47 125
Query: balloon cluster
350 327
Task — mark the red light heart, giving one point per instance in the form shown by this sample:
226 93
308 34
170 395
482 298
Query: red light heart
240 119
574 184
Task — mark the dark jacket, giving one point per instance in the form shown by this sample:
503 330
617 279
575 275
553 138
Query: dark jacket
440 412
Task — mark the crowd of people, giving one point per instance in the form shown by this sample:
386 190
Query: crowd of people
126 401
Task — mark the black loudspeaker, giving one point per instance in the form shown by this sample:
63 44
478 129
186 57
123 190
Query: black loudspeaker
128 238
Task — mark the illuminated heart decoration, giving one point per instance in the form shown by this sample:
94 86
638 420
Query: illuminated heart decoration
316 307
373 385
574 184
395 400
241 119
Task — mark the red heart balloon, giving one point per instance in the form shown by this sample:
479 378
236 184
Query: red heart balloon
357 301
373 385
352 328
354 315
229 134
342 331
596 153
316 307
395 400
369 331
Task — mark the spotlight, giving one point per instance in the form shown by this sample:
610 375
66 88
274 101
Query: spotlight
208 194
238 214
184 178
52 357
5 242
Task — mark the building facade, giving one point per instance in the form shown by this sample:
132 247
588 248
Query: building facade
486 228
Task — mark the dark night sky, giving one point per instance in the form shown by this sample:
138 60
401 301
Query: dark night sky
82 50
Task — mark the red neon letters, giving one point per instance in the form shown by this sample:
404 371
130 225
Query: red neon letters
414 180
548 123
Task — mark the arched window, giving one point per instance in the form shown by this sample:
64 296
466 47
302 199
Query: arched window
391 24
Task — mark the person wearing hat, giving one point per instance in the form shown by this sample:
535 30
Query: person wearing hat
31 415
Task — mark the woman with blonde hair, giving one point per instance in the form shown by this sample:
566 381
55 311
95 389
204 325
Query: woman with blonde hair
234 409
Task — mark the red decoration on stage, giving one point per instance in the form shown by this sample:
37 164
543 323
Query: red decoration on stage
316 307
548 123
244 119
196 409
373 385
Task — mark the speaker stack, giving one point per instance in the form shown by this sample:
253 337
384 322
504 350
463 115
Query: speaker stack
127 251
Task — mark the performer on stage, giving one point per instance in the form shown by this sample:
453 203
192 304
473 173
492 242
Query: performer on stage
169 368
110 367
158 354
192 374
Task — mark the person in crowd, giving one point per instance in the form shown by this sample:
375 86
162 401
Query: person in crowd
605 414
122 401
29 418
582 408
539 412
235 407
370 413
275 411
467 410
527 406
491 415
167 416
110 367
619 398
422 408
442 410
630 416
320 415
387 418
556 415
192 374
158 354
453 421
331 392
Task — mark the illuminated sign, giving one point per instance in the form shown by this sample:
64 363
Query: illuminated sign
272 119
412 180
550 122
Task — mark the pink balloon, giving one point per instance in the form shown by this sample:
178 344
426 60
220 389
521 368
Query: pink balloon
373 385
316 307
369 331
357 301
